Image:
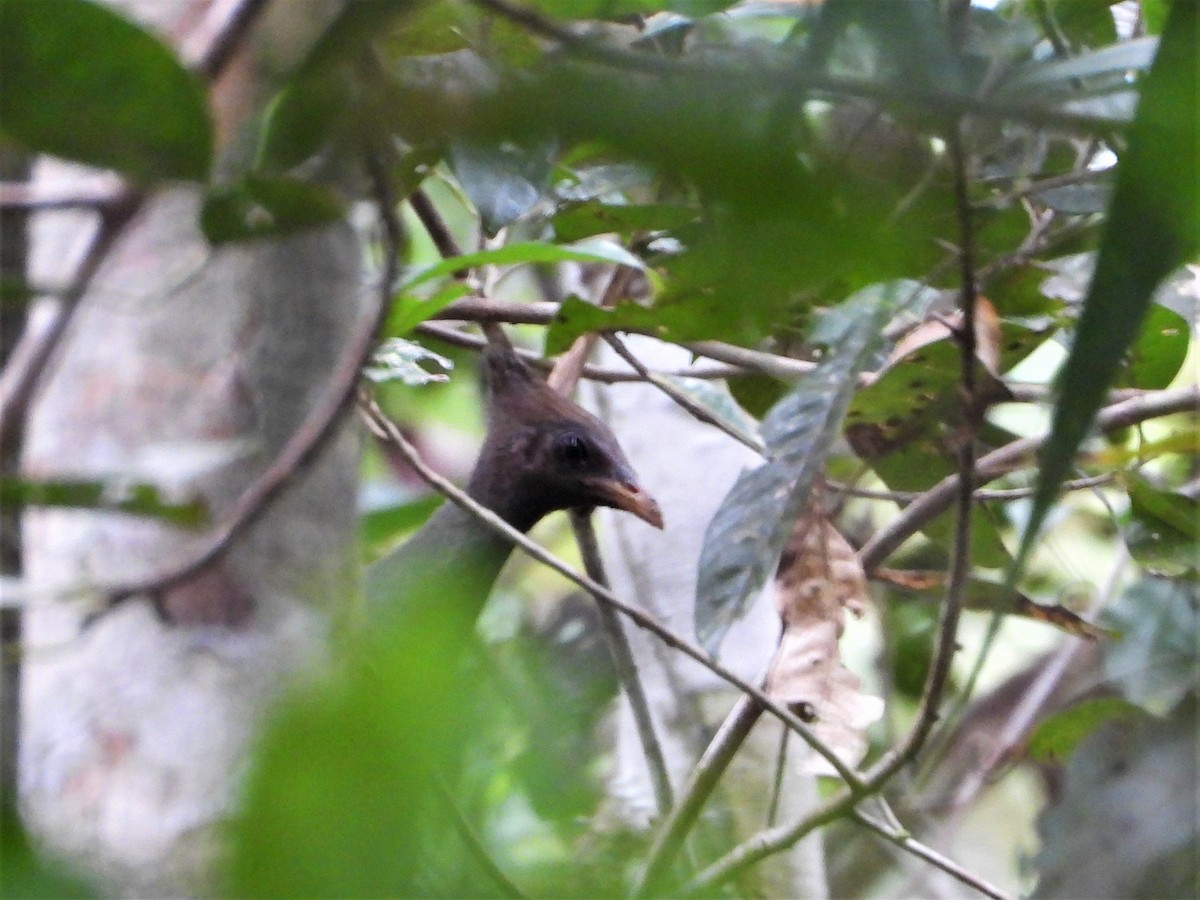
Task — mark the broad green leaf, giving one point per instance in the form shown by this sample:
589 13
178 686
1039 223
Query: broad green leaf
1154 661
267 206
340 801
745 537
527 253
80 81
503 182
1157 186
1056 738
1163 531
1160 350
134 499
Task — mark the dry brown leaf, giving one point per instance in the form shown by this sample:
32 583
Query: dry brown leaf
818 579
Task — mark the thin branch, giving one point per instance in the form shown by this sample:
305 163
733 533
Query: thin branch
902 840
688 404
18 384
435 225
981 495
209 48
938 498
960 566
96 194
387 430
625 665
570 365
700 784
468 341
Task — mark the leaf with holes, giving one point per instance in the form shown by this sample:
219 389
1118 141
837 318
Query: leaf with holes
747 533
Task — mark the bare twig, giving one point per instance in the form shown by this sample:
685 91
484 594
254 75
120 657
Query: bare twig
902 840
603 375
569 366
688 404
938 498
438 231
210 46
981 495
960 566
625 665
96 194
700 785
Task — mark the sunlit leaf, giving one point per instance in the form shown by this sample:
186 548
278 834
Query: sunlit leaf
80 81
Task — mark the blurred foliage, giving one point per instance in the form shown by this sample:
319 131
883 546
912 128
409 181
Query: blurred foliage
778 175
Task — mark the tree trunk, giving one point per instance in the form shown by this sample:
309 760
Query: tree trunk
186 368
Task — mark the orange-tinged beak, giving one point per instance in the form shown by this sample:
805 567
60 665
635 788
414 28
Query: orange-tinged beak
631 498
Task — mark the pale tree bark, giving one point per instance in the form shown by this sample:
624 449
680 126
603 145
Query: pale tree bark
689 467
189 369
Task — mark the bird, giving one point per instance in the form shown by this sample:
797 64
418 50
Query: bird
541 453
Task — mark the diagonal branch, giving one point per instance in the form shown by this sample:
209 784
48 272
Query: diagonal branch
388 431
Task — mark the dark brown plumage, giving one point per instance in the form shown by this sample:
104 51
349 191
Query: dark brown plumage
542 453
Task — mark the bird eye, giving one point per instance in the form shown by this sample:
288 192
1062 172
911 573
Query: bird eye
573 449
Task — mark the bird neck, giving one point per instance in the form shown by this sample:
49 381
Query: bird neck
453 557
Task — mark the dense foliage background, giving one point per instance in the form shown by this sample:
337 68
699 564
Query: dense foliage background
916 239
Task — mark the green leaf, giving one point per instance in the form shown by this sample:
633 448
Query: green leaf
1153 227
1056 738
747 533
1087 23
409 311
1163 531
504 181
1160 350
134 499
1154 662
266 206
79 81
618 9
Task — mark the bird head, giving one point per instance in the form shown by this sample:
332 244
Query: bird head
543 453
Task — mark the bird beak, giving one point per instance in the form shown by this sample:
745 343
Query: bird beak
631 498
